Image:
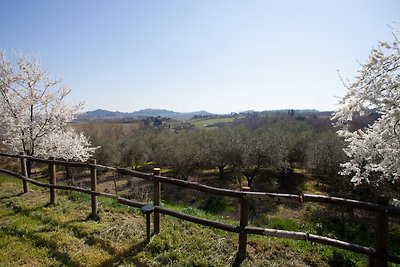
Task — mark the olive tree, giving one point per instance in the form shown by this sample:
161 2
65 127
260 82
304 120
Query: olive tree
219 148
134 151
254 150
250 154
325 153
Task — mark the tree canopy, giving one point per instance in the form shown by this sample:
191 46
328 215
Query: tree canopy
374 150
33 112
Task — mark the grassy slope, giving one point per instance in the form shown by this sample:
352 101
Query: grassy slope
207 122
35 234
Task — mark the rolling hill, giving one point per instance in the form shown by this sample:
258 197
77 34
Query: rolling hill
101 114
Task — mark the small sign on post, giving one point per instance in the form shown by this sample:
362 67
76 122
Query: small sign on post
147 210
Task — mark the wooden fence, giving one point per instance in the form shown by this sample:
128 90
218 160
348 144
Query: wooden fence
378 255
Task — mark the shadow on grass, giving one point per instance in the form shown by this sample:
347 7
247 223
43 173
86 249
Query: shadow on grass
237 262
64 258
50 223
129 253
16 195
25 211
40 242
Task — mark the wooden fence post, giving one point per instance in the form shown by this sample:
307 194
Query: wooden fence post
156 201
24 172
381 234
244 220
93 187
52 173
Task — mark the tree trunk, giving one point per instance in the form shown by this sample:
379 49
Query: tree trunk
68 174
221 170
29 168
250 181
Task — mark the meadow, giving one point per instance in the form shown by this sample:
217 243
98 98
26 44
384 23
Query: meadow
34 232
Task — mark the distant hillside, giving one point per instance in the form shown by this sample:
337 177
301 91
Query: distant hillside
101 114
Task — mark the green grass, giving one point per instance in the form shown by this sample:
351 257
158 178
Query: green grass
289 224
33 233
200 213
202 123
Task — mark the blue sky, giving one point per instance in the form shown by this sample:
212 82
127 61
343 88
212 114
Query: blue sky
219 56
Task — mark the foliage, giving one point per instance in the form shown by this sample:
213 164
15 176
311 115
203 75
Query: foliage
251 154
183 154
373 151
178 150
275 145
107 153
134 151
325 153
218 149
34 114
338 260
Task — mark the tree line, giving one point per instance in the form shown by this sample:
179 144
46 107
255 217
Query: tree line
242 150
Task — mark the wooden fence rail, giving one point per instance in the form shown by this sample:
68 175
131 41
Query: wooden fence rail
378 256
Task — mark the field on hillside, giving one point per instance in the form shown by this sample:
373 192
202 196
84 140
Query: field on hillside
212 122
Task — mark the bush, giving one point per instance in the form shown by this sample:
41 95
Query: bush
339 260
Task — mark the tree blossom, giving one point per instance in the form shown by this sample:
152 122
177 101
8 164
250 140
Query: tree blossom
374 151
33 112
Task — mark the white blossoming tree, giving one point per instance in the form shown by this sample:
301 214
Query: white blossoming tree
374 151
33 114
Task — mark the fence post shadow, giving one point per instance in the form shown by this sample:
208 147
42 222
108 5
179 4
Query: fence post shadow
131 252
238 261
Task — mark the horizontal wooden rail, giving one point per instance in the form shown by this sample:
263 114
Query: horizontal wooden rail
198 220
393 211
182 183
59 162
142 175
130 202
10 155
284 198
280 234
98 166
121 200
